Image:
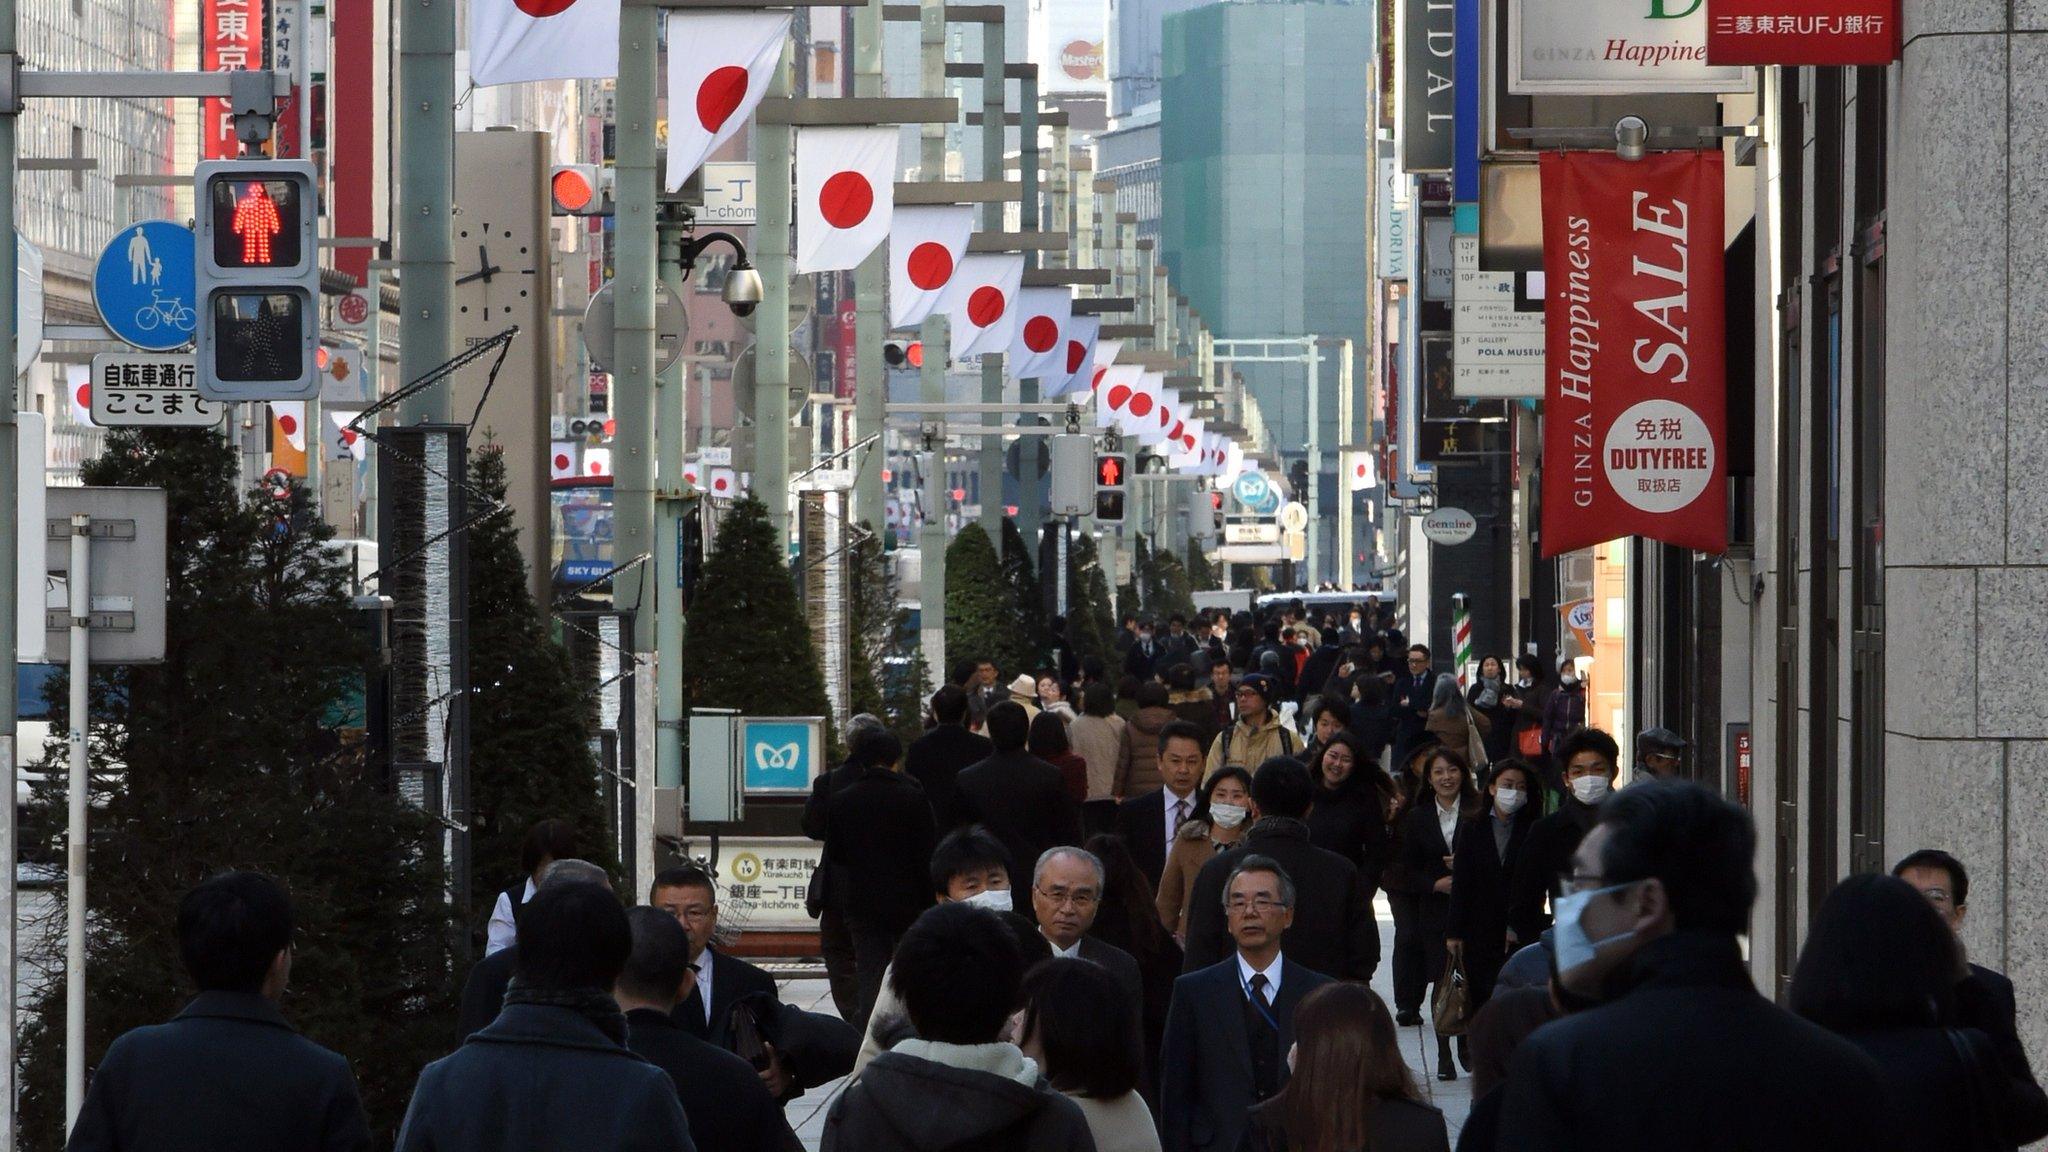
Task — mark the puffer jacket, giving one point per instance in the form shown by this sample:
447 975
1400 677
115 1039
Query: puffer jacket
1138 767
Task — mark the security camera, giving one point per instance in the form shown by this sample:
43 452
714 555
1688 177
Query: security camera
742 291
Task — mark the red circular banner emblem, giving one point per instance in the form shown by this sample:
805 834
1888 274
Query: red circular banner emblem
846 199
930 266
1041 333
719 96
985 307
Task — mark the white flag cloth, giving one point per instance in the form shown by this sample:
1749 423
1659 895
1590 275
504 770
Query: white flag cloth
290 416
719 66
78 385
724 483
1114 394
1186 454
1039 350
1146 409
1233 462
1077 365
693 475
926 244
845 187
515 40
562 460
982 302
1106 351
343 440
1360 471
597 462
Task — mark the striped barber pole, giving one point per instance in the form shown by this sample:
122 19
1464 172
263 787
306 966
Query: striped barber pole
1461 638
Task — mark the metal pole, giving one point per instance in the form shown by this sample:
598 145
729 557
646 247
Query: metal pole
426 47
870 388
771 320
1030 512
668 593
992 220
936 335
1315 460
1347 500
633 293
10 497
80 579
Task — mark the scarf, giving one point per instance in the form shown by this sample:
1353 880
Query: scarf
593 1004
998 1059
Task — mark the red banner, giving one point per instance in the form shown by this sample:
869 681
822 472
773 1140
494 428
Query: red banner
1796 32
1635 391
230 34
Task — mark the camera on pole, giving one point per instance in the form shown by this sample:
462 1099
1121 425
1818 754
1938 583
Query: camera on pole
258 280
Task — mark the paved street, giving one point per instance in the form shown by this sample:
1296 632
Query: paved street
1418 1045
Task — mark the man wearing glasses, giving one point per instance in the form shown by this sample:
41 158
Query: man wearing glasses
1661 753
689 894
1066 893
1232 1023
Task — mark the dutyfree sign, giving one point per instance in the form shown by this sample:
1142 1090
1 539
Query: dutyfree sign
1610 47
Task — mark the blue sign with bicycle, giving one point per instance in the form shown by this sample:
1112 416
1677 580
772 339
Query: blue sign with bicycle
145 286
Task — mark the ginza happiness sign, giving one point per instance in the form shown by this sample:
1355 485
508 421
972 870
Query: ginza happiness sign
1635 392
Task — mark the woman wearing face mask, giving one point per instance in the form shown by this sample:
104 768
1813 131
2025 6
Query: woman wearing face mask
1428 836
1588 758
1350 812
1488 699
1489 846
1565 710
1525 699
1222 814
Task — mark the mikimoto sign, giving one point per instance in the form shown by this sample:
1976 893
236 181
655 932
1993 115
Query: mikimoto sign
1449 526
1635 393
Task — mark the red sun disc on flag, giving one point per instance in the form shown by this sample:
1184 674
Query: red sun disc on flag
1119 396
719 96
1188 442
1178 427
1041 333
930 266
1141 404
540 8
1165 415
348 437
1076 352
596 469
846 199
561 461
1097 381
719 485
289 424
985 307
84 398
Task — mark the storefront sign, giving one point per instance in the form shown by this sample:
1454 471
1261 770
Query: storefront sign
1449 526
1427 97
1802 32
1392 237
763 882
1635 396
1497 318
229 32
1572 47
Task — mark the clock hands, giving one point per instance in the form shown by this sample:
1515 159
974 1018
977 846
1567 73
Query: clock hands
485 268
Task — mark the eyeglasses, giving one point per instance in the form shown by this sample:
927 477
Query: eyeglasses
1660 757
1583 882
1938 896
1081 900
1257 905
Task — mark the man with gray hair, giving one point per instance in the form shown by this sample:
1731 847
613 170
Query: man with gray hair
1066 893
483 994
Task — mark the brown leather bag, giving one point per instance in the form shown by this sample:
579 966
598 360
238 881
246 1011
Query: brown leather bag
1451 1006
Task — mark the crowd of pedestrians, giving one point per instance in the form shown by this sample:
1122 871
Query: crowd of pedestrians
1136 914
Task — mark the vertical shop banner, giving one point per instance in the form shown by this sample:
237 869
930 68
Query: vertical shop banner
1428 79
1635 391
230 34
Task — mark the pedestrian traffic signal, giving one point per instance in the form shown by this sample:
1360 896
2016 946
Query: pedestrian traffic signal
1112 478
257 280
580 190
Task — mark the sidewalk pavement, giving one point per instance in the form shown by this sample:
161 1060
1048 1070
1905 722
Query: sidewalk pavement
1418 1045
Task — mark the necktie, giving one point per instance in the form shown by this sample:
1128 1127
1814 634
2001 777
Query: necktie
1259 990
1180 813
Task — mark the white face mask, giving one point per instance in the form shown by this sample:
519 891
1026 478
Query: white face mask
1590 789
993 899
1228 815
1510 800
1570 944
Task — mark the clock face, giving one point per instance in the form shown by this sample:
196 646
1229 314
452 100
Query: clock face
495 274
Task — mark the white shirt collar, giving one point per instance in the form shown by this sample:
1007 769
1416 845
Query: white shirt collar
1245 972
530 890
1073 953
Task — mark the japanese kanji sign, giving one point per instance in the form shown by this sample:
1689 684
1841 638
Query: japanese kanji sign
154 389
1798 32
229 41
1635 391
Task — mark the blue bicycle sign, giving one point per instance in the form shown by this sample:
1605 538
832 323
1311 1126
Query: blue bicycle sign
144 285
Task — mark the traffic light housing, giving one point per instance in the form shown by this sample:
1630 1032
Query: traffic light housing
1072 474
580 190
258 280
1112 482
899 353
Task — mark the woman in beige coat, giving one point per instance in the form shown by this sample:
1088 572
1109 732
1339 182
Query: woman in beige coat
1222 814
1451 720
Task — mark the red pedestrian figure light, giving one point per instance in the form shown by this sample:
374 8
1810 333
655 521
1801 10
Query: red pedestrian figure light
257 223
1112 471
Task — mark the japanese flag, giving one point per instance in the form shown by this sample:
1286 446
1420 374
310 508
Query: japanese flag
290 417
1359 471
1039 349
1106 352
597 462
724 483
845 188
1115 388
982 302
1077 359
719 65
344 441
562 460
926 244
515 40
1186 453
693 475
78 385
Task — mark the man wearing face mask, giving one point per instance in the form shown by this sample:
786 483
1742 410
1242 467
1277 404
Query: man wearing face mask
1675 1049
1588 759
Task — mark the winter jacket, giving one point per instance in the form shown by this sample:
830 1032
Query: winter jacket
1244 747
1452 731
1120 1125
1138 771
1100 741
1197 707
1191 849
1351 820
984 1098
1564 711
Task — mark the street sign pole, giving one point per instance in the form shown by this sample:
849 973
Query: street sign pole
931 376
871 386
992 221
80 717
10 501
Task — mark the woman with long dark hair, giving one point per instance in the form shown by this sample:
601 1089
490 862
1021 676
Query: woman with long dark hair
1049 742
1084 1035
1880 968
1428 836
1353 798
1349 1090
1129 919
1487 698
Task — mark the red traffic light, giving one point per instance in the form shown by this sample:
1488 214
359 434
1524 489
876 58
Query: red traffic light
915 354
1109 471
572 189
1216 501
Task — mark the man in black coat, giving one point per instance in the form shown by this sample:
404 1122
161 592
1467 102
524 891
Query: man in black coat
879 839
1017 796
483 993
935 759
1142 658
1147 824
1678 1051
726 1103
835 940
1332 930
1984 998
1413 690
229 1073
553 1070
1589 758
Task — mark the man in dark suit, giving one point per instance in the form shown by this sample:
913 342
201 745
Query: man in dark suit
1142 658
935 759
1984 998
1413 691
483 993
1017 796
879 840
1232 1023
1066 893
727 1105
1332 930
1148 824
229 1073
